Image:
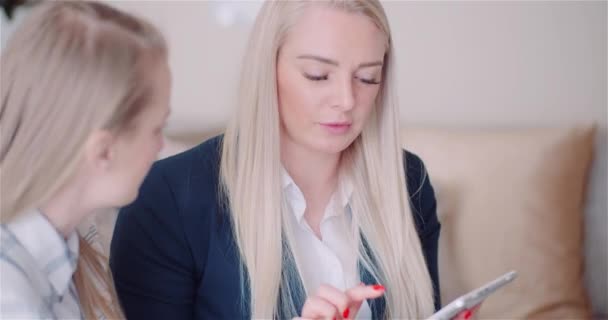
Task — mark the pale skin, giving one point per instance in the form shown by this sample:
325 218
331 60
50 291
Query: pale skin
113 164
329 74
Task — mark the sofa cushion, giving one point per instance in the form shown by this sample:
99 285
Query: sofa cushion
511 200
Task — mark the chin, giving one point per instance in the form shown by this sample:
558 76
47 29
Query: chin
333 145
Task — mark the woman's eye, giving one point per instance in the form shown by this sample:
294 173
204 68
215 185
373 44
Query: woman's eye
315 78
368 81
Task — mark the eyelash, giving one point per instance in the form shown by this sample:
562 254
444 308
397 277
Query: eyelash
368 81
321 78
315 78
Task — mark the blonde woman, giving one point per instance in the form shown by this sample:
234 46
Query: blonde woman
307 206
84 97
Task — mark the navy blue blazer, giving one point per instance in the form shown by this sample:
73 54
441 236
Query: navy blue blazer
173 255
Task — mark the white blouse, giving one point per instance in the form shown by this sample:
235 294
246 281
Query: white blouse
37 265
333 259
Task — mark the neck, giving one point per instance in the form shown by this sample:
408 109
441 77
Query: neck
315 173
65 210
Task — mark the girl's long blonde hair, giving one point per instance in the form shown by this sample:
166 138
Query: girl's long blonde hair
71 67
250 172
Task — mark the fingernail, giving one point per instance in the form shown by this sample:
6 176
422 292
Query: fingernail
467 314
345 313
378 287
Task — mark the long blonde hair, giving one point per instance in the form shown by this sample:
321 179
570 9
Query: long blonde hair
70 68
250 172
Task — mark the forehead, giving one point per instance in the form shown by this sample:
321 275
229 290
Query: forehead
159 90
336 33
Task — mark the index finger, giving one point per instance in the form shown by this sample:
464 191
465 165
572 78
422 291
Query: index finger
360 293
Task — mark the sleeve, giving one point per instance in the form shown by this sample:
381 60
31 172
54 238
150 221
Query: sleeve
150 258
424 209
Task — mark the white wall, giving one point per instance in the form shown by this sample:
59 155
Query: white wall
205 59
462 63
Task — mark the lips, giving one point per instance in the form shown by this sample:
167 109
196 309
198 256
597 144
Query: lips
336 127
336 124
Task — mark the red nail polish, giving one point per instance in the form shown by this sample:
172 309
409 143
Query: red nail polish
379 287
345 313
467 314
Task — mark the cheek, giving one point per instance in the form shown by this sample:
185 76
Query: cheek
297 98
150 148
154 151
145 160
160 144
366 102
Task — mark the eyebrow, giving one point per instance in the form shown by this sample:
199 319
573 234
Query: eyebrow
335 63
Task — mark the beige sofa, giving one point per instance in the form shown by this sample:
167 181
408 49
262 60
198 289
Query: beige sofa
507 200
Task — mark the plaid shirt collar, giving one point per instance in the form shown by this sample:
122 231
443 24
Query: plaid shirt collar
56 256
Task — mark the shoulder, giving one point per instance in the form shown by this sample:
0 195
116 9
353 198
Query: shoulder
207 151
415 171
180 184
176 205
421 191
167 228
173 177
201 159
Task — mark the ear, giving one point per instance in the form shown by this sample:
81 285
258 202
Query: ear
98 149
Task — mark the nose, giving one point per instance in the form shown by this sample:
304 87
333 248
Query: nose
345 94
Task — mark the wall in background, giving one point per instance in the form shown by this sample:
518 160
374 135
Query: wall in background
461 63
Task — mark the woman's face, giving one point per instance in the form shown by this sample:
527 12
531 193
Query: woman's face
329 72
136 150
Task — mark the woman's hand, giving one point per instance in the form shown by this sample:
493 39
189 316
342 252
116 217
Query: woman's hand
331 303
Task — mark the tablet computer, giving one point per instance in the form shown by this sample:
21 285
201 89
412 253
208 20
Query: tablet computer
473 298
